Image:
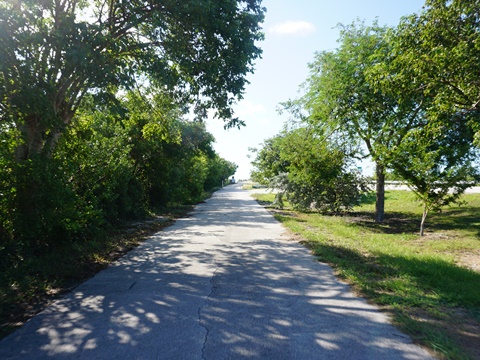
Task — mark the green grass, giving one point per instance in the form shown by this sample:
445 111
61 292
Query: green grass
425 282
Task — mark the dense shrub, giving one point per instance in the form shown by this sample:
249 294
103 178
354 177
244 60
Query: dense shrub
310 172
113 164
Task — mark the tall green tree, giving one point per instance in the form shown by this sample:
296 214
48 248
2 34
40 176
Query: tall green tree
434 57
438 51
55 52
341 97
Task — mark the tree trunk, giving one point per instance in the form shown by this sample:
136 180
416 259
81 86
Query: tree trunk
380 191
424 217
32 135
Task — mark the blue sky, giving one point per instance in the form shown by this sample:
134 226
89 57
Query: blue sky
294 31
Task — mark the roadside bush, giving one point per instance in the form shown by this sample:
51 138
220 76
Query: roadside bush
102 174
310 172
115 163
219 170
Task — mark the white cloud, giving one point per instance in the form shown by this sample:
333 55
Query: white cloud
296 28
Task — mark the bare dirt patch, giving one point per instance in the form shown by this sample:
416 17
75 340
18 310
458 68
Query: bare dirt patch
470 260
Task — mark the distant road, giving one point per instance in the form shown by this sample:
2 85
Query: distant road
224 283
472 190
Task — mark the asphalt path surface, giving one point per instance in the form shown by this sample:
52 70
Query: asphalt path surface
224 283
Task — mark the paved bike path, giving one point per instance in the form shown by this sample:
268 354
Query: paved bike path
224 283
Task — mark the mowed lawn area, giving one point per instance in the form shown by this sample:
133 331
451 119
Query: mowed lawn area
430 285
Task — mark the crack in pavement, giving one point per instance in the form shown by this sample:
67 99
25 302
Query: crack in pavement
207 299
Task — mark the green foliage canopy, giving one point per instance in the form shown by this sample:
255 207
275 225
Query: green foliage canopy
52 53
437 52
